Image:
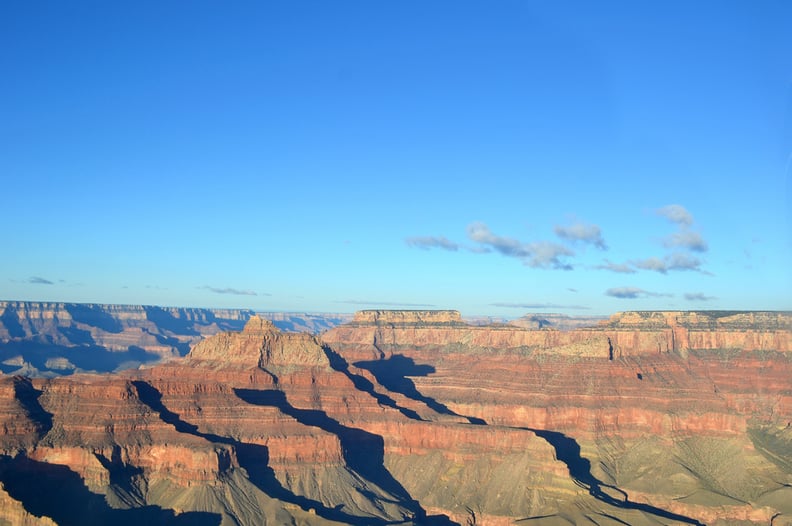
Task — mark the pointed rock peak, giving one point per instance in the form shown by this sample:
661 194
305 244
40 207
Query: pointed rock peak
257 324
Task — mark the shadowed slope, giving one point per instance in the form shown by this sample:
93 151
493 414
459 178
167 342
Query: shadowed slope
362 451
568 451
55 491
254 458
393 373
28 397
338 363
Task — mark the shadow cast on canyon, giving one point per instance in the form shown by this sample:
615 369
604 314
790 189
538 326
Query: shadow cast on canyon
167 322
55 491
393 373
10 319
254 458
363 452
93 358
338 363
94 316
567 450
28 397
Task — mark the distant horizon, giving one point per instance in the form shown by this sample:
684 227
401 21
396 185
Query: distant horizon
350 313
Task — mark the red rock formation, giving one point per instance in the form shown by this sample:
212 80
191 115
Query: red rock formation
679 378
260 344
401 414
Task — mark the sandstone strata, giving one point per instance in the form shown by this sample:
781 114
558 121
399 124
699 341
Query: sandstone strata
683 398
416 417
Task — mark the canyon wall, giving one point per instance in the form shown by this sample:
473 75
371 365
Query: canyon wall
687 413
414 417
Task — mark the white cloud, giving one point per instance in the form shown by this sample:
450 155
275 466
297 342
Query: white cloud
676 261
583 232
698 296
427 242
621 268
545 254
676 214
229 290
632 293
538 254
686 239
480 233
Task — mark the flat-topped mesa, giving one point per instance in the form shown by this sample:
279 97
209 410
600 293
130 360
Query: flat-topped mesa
642 331
703 320
408 317
260 344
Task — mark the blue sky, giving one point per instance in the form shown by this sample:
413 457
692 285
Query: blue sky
494 157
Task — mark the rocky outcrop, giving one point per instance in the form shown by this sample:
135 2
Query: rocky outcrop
261 344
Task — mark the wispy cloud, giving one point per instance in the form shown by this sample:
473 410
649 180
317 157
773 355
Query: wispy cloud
546 254
370 303
632 293
37 280
655 264
676 214
539 254
229 290
698 296
480 233
591 234
427 242
676 261
686 239
535 306
621 268
682 242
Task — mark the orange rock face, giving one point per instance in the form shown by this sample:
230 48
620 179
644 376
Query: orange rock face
415 417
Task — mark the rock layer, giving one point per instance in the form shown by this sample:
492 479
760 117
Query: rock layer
417 418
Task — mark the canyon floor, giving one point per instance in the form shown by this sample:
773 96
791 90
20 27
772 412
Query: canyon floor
405 417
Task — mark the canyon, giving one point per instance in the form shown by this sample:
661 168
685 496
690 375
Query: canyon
403 417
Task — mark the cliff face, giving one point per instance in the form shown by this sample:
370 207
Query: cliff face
624 334
260 344
686 411
416 418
